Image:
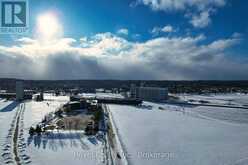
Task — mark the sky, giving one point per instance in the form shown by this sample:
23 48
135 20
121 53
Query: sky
130 40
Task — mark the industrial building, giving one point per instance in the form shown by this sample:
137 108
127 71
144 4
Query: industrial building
149 93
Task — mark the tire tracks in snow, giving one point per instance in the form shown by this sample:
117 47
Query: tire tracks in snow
15 140
14 149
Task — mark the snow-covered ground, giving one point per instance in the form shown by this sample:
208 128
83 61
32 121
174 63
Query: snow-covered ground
59 99
58 147
7 113
237 99
102 95
178 135
151 134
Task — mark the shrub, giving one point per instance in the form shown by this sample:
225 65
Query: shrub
31 131
38 129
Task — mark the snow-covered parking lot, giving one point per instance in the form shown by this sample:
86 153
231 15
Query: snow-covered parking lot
175 135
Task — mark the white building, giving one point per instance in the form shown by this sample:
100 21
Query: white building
149 93
19 90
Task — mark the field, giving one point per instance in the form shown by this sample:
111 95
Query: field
235 99
175 135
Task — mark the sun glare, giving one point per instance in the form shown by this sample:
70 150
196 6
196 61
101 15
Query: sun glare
48 27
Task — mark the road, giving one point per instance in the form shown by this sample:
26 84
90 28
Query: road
117 152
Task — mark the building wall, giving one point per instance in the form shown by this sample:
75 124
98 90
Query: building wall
133 91
149 93
19 90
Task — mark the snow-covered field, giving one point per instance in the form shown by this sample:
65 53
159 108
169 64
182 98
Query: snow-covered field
237 99
178 135
59 147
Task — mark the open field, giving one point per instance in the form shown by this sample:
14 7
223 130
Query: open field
235 99
175 135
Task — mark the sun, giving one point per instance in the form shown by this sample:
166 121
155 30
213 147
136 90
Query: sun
48 26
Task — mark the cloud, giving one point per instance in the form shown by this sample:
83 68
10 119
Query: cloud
108 56
123 31
198 11
202 20
237 35
172 5
136 36
166 29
